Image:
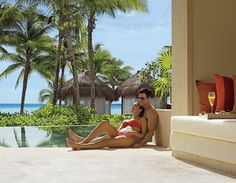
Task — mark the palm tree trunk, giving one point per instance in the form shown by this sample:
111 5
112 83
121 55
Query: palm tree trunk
90 59
57 71
70 51
61 78
25 82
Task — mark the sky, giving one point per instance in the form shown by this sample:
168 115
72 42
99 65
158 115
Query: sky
134 38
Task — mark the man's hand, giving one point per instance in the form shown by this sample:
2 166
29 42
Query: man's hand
137 145
130 134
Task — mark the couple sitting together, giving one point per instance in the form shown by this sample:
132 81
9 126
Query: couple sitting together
132 133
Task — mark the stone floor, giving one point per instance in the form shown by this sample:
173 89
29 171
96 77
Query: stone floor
59 165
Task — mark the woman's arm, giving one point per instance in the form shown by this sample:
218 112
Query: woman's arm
120 127
143 129
134 133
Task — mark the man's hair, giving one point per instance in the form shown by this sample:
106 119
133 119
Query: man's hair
147 92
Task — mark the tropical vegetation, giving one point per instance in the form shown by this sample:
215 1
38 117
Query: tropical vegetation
26 42
31 43
58 116
159 71
54 120
26 31
92 9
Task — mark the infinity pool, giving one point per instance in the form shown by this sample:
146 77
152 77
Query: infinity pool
32 136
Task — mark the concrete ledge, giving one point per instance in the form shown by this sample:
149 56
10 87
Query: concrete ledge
207 162
162 133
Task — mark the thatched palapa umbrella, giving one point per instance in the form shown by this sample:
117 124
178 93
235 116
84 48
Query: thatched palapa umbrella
131 86
101 88
128 91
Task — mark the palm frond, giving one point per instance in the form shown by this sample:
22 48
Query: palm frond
47 94
162 87
165 61
16 58
21 75
9 70
3 50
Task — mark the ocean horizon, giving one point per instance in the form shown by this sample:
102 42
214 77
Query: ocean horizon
30 107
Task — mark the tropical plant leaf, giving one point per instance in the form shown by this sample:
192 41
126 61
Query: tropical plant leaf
9 70
20 77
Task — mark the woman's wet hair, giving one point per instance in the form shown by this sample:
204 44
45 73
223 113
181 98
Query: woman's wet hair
140 107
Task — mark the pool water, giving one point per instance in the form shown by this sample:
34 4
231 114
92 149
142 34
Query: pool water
32 136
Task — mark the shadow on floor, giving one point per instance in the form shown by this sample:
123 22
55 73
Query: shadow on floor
207 168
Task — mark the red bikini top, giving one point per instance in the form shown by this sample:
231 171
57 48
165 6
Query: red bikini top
132 123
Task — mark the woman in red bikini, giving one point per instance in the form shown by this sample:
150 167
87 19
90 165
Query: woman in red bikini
130 131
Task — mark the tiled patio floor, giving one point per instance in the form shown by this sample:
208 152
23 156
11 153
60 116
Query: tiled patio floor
57 165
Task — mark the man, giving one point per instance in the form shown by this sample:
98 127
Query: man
144 96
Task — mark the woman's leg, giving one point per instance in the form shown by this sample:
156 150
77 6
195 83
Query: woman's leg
104 126
120 142
73 136
76 138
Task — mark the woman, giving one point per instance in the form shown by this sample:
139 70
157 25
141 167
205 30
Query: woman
129 132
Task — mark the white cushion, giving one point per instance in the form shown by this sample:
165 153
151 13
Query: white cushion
204 147
223 129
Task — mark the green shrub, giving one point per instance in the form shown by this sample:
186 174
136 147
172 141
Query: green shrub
85 115
50 116
15 119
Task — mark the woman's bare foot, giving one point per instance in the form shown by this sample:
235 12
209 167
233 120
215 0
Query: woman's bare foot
71 144
73 136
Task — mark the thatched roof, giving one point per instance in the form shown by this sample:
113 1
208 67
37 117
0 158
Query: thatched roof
101 88
131 86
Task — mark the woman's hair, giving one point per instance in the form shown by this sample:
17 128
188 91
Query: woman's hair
140 107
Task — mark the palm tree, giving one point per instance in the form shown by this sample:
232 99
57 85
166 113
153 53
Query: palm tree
67 19
102 57
114 74
47 94
31 44
56 19
92 9
9 14
160 71
108 68
162 84
58 60
69 24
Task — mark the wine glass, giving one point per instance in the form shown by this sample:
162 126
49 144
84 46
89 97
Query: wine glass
211 98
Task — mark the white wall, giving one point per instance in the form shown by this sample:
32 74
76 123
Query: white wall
102 106
204 38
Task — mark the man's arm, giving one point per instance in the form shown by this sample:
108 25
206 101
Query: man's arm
152 121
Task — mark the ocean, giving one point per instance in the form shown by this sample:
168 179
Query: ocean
13 108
